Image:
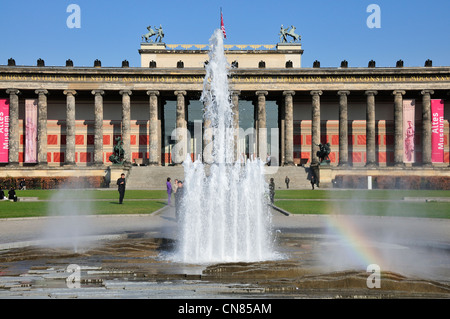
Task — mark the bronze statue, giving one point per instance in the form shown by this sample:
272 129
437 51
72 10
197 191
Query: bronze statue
159 33
295 36
323 152
149 34
284 32
118 157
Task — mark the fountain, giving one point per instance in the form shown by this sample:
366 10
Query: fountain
224 216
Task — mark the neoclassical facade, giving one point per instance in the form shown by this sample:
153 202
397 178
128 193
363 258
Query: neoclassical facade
358 110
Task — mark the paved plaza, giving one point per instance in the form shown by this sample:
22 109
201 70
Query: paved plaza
124 256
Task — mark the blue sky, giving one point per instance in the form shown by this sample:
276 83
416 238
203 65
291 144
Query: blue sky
331 30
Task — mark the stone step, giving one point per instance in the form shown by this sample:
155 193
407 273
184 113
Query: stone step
155 177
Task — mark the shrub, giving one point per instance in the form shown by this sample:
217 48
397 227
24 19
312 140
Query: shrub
54 182
394 182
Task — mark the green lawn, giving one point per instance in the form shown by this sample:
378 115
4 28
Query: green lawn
405 209
363 202
83 201
366 202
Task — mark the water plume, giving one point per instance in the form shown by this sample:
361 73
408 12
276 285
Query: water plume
225 215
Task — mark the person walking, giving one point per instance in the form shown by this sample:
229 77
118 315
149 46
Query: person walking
121 187
272 190
169 190
287 180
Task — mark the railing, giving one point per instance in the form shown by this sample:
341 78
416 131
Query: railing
226 46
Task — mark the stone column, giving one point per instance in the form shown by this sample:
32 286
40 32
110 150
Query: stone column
154 149
315 126
13 152
42 127
398 127
426 127
70 127
180 150
235 109
288 127
98 126
281 130
370 128
126 124
343 128
262 129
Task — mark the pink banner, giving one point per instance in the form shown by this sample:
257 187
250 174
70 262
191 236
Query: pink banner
4 130
31 131
437 131
408 130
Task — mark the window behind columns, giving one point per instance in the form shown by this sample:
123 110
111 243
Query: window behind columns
195 127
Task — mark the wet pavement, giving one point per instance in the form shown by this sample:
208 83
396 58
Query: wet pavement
128 256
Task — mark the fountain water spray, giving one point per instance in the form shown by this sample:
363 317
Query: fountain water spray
225 216
68 224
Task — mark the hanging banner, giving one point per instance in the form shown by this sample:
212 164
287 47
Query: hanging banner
437 131
31 131
4 130
409 129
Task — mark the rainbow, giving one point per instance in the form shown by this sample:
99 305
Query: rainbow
363 251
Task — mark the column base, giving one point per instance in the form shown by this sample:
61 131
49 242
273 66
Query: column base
154 164
427 165
98 164
399 165
13 164
343 164
371 165
69 165
288 164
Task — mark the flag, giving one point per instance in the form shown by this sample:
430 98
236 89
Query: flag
222 26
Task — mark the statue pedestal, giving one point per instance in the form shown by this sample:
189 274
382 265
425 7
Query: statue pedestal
153 46
113 174
289 46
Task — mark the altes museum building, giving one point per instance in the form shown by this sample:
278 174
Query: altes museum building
59 120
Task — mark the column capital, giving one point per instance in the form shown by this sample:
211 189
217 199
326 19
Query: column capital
427 92
371 92
154 93
41 91
395 92
343 93
69 92
97 92
236 92
316 92
288 92
259 93
12 91
125 92
180 93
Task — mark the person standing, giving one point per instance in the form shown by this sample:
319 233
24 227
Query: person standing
178 200
287 180
12 194
169 190
272 190
313 180
121 187
175 186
